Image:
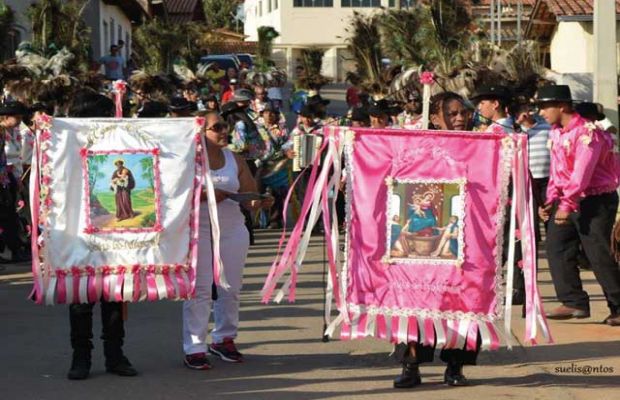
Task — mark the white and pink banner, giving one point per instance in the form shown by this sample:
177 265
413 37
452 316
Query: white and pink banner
424 236
116 202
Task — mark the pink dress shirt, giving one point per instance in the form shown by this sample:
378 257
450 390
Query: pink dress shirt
583 163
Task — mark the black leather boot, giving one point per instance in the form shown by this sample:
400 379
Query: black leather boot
409 377
454 375
113 335
81 318
80 365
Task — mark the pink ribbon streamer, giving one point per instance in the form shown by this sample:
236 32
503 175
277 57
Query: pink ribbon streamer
92 284
280 265
151 285
118 290
178 274
35 199
75 272
137 282
120 88
61 288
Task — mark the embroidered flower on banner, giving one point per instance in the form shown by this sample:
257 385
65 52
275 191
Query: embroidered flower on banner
44 122
590 126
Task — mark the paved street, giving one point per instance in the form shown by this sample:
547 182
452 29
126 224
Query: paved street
285 356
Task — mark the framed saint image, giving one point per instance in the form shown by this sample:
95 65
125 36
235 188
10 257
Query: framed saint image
122 191
425 221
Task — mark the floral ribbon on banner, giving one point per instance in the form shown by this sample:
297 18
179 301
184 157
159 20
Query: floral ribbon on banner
219 277
120 88
427 79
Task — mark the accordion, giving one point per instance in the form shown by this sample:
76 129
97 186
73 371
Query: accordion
305 147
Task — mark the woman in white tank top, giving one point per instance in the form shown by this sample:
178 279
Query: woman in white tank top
230 174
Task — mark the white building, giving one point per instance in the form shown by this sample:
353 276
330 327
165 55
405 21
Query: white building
307 23
109 21
565 31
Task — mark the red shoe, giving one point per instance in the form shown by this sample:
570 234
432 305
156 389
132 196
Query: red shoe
197 361
226 350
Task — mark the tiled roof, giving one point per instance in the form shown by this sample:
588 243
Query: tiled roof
563 8
180 11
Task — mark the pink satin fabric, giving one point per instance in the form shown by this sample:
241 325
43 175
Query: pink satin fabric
420 155
583 163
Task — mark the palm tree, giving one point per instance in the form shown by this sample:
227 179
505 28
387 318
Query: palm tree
7 18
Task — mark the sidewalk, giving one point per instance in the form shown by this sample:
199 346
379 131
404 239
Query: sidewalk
285 358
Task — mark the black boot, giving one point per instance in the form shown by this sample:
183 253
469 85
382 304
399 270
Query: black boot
81 319
116 362
410 377
454 375
113 335
80 365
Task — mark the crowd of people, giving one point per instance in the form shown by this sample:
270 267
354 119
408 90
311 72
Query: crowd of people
572 160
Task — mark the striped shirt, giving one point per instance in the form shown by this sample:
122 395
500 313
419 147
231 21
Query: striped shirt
538 150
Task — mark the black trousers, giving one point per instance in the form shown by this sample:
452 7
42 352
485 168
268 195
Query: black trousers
8 216
113 332
591 227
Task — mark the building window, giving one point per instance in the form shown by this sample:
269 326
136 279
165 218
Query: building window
313 3
275 4
106 38
127 43
403 3
260 8
360 3
268 6
112 32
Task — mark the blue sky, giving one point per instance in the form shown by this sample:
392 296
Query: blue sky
132 162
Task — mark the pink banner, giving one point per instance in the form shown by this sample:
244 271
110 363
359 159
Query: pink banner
425 227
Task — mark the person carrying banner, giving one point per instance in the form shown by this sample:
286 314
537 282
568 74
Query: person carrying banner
448 113
581 205
230 174
88 104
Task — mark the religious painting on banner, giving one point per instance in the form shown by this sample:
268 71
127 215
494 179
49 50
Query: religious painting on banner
117 205
426 215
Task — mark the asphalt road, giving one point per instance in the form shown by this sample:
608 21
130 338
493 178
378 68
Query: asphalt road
285 357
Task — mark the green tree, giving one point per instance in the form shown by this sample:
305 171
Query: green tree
7 18
57 24
220 13
94 170
147 171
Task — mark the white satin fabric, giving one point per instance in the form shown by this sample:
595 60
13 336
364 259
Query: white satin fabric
68 245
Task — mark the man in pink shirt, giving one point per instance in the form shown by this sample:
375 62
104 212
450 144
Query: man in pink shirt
581 205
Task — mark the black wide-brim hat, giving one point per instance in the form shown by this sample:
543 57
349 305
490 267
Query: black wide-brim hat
317 99
14 108
382 107
179 104
492 92
360 114
554 94
229 108
587 109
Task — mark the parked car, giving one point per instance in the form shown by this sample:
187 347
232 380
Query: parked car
246 59
225 61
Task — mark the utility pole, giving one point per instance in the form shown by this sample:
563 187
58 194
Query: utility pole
492 20
519 18
605 53
499 23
